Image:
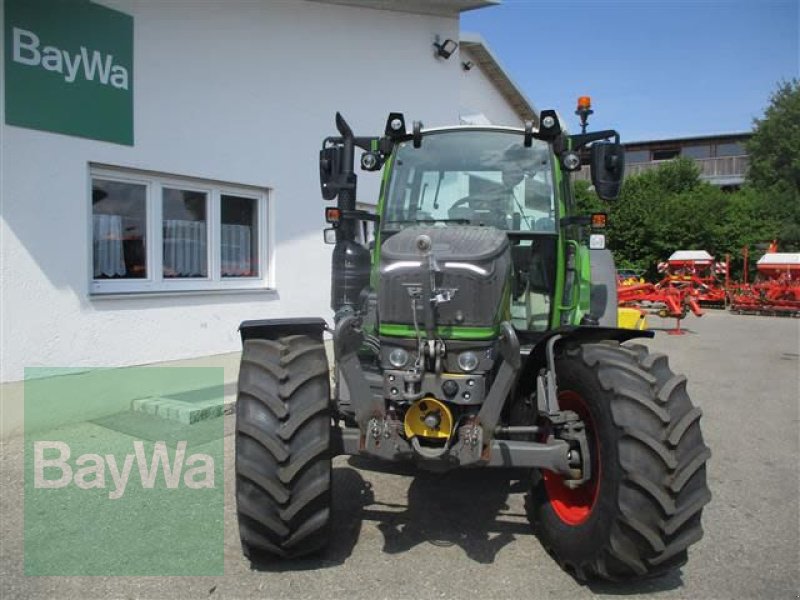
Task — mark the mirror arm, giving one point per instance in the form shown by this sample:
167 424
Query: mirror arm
365 143
581 139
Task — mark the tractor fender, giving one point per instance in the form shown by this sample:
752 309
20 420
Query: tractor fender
272 329
537 356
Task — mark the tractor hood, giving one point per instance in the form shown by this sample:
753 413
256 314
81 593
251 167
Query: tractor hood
462 243
471 267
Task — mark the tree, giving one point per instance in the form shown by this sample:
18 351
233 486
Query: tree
775 164
586 200
676 176
775 146
657 213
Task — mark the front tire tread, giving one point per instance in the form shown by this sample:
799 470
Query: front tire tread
658 485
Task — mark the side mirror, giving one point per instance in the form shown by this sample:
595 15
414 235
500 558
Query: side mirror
330 161
608 167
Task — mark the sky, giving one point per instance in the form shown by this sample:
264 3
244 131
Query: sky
653 68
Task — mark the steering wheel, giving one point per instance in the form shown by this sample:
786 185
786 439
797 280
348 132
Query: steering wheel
471 202
483 209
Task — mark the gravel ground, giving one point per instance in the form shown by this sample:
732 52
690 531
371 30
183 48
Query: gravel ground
398 533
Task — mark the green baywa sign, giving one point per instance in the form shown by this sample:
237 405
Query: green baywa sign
69 68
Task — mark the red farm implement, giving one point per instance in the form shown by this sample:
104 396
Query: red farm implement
665 301
691 278
696 270
776 290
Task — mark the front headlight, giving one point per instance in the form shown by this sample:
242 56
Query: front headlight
398 358
468 361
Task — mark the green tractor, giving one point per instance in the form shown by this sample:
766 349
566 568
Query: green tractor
477 329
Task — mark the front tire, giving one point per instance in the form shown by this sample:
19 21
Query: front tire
641 510
283 462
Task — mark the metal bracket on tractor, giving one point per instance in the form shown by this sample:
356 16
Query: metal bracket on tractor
475 443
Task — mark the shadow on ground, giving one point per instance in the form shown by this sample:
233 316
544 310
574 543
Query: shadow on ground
670 581
464 508
670 330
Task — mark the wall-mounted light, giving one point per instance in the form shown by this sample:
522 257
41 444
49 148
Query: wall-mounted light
446 48
467 65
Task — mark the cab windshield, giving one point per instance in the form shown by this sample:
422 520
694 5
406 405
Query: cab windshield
476 177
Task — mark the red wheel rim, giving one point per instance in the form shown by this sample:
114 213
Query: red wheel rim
574 506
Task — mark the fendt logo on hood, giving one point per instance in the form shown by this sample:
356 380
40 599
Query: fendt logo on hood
91 65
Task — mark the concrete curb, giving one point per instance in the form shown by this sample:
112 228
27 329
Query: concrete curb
176 410
189 411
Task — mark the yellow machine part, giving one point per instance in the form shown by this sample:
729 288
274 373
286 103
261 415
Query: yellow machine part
632 281
631 318
414 422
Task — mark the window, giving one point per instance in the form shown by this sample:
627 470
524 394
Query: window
637 156
696 151
156 233
365 231
239 236
185 233
119 219
481 177
666 154
730 149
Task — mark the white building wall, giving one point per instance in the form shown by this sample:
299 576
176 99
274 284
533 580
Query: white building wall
237 91
480 96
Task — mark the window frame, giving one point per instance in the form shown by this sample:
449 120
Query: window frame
155 282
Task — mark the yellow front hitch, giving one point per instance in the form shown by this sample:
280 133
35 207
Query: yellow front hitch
430 419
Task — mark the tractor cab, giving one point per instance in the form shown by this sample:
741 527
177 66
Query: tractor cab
446 184
460 180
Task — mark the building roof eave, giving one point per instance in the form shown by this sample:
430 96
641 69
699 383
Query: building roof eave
739 135
491 67
441 8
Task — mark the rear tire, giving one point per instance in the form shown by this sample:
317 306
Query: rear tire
283 462
641 510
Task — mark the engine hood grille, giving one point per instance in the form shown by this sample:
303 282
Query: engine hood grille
473 264
460 243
